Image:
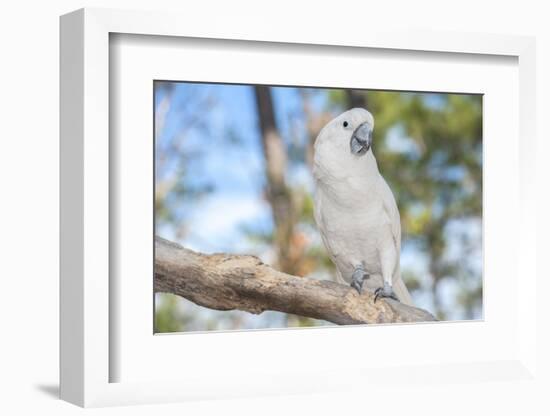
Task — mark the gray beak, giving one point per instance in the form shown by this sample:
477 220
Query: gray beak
361 139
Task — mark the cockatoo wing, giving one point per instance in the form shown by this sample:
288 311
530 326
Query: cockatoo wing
319 220
391 210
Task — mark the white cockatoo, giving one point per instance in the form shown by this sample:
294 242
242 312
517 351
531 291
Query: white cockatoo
355 209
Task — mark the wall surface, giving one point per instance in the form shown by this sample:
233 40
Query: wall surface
29 208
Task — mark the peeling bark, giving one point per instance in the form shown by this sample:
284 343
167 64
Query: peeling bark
227 282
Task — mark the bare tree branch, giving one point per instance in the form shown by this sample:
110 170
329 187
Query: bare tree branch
226 282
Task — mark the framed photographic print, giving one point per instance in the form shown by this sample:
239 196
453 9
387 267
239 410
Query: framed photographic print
309 205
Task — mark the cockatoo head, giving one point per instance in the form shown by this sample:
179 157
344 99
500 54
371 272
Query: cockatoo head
343 143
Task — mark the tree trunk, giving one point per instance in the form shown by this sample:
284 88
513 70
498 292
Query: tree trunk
278 193
356 99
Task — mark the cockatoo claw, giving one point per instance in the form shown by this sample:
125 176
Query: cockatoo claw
384 292
357 279
357 286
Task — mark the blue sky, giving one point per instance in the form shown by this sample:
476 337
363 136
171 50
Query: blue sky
235 172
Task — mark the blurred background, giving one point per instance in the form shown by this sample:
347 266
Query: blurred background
219 188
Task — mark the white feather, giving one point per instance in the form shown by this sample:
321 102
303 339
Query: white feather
355 209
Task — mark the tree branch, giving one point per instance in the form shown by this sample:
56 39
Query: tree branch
226 282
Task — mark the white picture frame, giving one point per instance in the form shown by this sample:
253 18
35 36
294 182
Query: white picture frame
87 356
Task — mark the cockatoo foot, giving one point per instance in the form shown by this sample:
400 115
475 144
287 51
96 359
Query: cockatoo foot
357 279
385 292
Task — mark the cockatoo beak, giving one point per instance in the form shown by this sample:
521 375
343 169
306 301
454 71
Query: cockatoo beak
361 139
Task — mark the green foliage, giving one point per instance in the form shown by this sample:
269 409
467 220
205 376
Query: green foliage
167 316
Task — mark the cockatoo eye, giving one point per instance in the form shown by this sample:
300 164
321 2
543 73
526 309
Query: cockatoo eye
345 124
